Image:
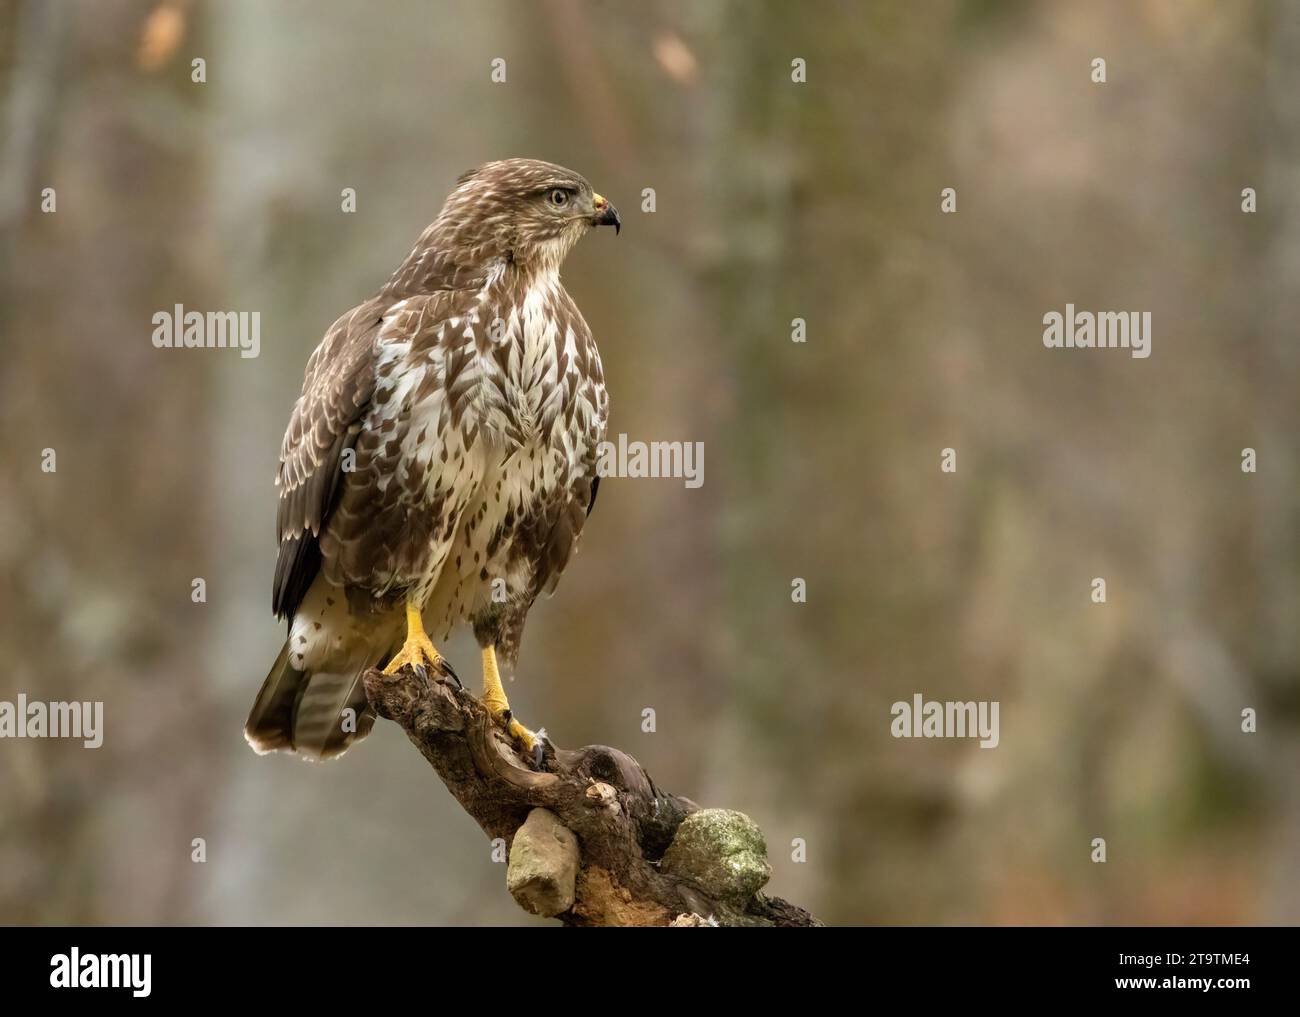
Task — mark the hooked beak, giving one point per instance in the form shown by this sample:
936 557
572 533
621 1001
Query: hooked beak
606 214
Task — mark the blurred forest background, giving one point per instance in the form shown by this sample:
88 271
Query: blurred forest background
775 200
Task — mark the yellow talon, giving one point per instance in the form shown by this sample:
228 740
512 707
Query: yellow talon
494 698
418 651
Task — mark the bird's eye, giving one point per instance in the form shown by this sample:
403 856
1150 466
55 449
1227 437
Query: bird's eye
559 197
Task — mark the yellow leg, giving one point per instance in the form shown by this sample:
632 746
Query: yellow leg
494 698
418 651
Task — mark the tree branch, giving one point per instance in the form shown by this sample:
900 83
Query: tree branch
592 839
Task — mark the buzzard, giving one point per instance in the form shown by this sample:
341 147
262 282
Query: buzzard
440 462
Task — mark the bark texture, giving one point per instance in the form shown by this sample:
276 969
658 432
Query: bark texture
634 855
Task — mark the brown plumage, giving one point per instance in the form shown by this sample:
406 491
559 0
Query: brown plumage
442 452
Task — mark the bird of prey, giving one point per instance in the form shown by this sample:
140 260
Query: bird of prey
440 463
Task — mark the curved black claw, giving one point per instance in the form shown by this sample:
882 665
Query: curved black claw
443 668
447 671
541 742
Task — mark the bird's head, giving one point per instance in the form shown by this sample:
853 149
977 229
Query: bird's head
526 211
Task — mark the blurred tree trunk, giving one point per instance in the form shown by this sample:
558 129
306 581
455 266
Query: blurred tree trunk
104 550
824 224
1275 520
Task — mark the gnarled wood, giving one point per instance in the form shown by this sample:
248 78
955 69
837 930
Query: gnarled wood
623 822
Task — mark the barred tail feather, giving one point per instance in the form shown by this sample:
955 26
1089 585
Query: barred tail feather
321 728
303 711
270 722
